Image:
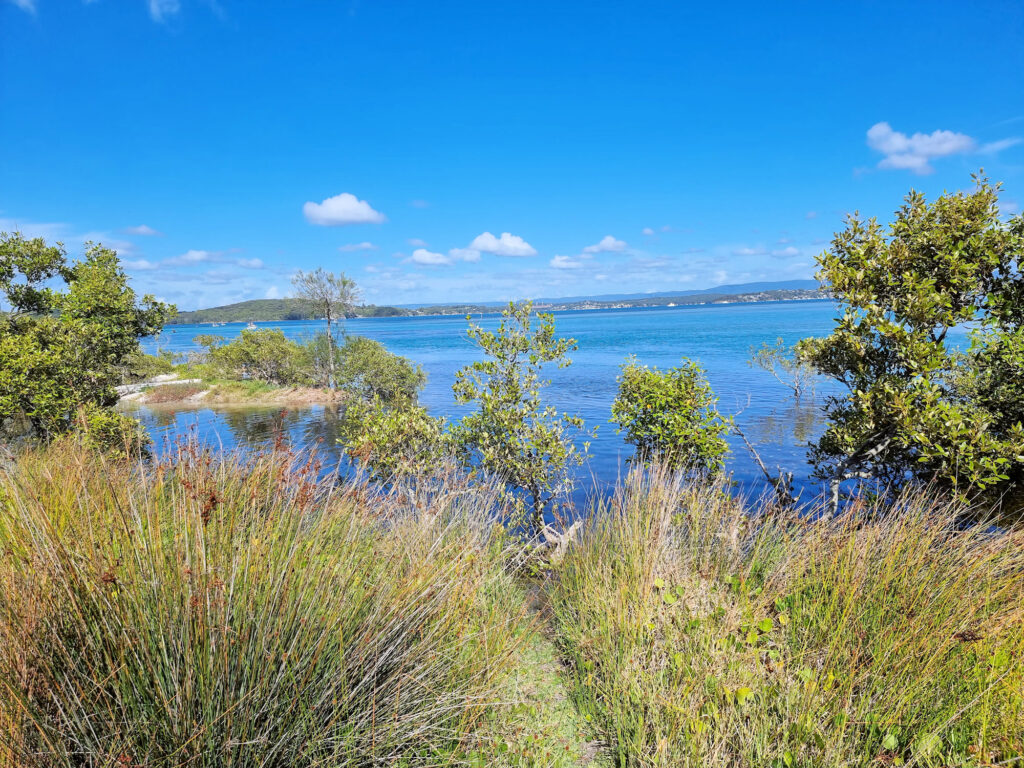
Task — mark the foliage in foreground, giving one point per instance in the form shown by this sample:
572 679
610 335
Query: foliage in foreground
68 330
916 406
221 612
699 634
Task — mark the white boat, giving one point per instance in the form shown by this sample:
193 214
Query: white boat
251 326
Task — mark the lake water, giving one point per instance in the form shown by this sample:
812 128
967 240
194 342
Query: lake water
719 336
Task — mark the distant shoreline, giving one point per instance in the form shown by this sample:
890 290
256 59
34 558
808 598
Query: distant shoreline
228 315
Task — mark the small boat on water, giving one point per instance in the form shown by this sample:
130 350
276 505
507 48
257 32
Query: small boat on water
251 326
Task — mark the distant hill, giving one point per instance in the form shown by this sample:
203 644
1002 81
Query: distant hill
278 310
271 311
721 290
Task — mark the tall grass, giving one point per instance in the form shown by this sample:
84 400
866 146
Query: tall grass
703 633
239 612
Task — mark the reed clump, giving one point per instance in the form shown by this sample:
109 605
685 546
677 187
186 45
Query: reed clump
700 632
229 611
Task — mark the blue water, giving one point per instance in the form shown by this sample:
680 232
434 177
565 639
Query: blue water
719 336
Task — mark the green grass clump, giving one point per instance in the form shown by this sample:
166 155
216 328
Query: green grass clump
238 612
701 633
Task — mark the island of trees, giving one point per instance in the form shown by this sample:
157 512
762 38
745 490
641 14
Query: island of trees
448 606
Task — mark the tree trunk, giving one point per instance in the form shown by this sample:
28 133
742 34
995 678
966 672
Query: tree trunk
330 351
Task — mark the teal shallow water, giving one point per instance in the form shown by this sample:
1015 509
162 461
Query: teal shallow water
719 336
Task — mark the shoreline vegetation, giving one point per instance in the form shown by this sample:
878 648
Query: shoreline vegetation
279 310
452 605
204 393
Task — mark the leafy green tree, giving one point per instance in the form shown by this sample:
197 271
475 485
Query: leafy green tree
367 370
917 406
265 355
333 295
671 416
67 332
782 362
395 443
512 434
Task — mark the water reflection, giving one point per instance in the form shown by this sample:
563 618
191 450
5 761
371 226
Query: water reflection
792 422
781 431
313 427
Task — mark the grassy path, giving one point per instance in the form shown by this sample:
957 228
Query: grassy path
542 727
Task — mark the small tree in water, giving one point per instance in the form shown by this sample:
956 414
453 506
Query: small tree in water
333 295
512 434
671 416
785 365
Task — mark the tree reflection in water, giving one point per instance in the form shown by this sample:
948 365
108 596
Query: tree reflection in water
305 428
795 421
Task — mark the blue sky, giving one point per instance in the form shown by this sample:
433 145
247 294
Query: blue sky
452 151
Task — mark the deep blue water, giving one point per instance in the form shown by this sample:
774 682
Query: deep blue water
719 336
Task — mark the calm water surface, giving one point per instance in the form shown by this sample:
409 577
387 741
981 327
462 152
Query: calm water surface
719 336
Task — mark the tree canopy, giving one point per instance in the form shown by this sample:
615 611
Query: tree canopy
917 405
66 331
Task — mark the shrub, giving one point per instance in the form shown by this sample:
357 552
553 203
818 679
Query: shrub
782 362
262 355
218 611
139 366
670 416
395 443
368 371
108 431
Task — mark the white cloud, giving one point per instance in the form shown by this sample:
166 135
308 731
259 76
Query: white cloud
340 210
161 9
915 153
416 242
250 263
608 244
352 247
789 250
666 228
140 265
429 258
564 262
143 231
811 215
506 245
998 146
464 254
647 231
29 6
121 247
748 251
193 256
419 204
48 230
272 293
